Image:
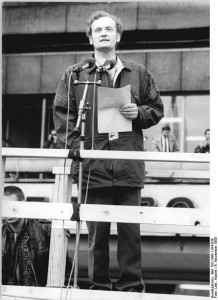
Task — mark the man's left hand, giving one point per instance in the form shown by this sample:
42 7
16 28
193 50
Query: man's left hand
130 111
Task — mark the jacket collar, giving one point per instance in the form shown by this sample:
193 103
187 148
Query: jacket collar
126 65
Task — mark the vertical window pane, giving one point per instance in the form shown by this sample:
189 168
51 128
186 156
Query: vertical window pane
197 120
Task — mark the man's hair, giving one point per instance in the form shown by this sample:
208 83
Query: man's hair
14 190
208 129
166 127
99 14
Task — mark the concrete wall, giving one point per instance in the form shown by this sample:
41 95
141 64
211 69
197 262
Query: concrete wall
180 70
45 17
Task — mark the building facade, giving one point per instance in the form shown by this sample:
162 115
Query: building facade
41 39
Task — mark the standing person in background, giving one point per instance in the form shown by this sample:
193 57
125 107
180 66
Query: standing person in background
52 142
204 146
166 142
110 182
25 247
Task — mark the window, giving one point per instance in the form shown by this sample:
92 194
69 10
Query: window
188 117
22 120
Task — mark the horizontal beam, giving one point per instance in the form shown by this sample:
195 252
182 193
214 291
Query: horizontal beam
106 154
151 229
40 165
47 293
152 170
196 220
177 174
35 153
194 287
106 213
146 156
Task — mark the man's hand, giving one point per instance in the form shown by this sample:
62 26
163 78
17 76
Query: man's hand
130 111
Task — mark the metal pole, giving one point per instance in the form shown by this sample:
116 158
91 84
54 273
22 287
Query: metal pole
78 225
7 132
182 136
82 112
42 137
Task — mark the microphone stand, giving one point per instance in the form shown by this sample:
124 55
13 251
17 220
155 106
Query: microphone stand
83 108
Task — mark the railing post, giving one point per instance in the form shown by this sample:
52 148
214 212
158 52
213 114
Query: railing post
58 244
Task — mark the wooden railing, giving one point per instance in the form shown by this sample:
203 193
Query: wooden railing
21 293
158 165
155 219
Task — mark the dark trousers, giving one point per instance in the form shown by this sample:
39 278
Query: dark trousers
129 242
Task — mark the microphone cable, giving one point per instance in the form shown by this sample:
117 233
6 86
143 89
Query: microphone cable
65 161
92 130
64 180
68 110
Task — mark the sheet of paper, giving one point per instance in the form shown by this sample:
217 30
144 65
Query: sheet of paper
109 102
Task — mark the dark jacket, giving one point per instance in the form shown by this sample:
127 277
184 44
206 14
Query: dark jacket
203 147
37 241
144 93
51 145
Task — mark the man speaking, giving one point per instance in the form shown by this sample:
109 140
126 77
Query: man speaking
128 100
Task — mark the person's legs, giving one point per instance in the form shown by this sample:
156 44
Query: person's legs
99 234
129 244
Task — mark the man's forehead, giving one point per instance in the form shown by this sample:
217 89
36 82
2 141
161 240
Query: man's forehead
12 197
103 21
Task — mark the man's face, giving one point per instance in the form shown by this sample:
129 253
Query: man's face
166 132
207 135
104 34
54 136
12 197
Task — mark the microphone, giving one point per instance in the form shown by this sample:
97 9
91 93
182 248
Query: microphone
108 64
87 63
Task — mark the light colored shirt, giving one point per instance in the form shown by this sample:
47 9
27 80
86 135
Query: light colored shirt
115 71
